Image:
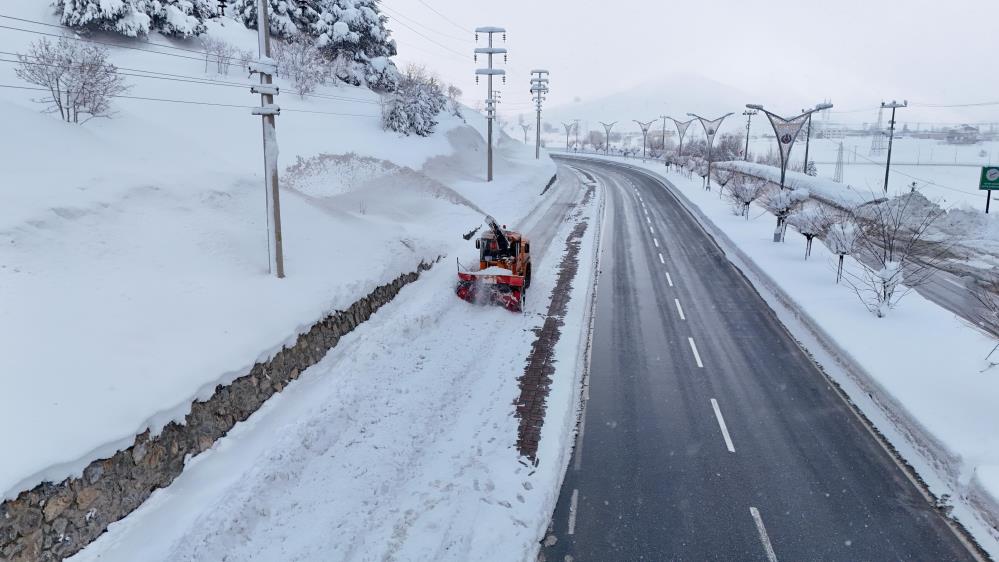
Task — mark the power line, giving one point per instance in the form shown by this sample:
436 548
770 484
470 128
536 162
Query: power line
196 80
464 28
204 103
62 36
427 27
434 41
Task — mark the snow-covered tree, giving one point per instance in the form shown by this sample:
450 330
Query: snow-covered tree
414 106
454 99
782 203
79 77
301 62
810 221
180 18
287 17
841 238
127 17
743 191
896 244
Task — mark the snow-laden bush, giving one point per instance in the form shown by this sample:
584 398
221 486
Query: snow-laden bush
181 18
454 99
841 238
414 106
301 62
743 191
893 246
79 77
781 203
810 221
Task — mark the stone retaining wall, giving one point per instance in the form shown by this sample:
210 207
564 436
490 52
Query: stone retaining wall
56 520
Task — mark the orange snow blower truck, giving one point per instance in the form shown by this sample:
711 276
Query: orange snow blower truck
504 272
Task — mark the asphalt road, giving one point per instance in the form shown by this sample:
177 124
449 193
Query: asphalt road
708 434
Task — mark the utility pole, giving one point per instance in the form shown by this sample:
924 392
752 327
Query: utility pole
268 110
681 129
710 129
891 133
808 139
568 129
539 87
749 113
645 134
607 130
665 161
489 72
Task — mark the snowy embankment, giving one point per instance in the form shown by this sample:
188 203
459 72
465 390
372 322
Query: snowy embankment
133 251
414 460
916 374
842 196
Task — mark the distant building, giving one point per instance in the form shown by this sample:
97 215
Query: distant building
965 134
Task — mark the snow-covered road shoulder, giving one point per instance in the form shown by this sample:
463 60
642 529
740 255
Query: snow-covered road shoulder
400 444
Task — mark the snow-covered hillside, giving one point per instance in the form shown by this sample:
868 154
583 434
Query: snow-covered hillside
133 268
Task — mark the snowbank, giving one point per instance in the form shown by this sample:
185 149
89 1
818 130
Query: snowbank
837 194
133 252
921 365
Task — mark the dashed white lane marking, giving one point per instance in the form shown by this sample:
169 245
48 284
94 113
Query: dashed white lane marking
573 504
724 428
697 356
647 219
651 231
656 240
679 309
771 555
661 260
669 279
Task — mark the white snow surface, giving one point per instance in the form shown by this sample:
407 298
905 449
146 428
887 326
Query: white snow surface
925 365
133 250
398 445
492 270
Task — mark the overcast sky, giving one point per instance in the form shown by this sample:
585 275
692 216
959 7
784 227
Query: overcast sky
790 53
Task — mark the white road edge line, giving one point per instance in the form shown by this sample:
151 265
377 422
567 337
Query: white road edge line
578 461
679 309
721 424
573 504
656 240
697 356
771 555
661 260
669 279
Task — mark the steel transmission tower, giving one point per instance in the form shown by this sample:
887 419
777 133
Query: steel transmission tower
489 72
838 175
878 140
539 87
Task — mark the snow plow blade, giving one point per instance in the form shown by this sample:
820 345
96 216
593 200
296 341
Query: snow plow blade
503 290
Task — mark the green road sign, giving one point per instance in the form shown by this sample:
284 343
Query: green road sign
990 178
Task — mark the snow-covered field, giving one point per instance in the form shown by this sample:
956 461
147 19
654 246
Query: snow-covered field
414 460
943 172
133 253
923 366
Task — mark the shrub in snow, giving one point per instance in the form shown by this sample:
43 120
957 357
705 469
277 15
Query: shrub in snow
454 99
414 106
78 76
743 191
810 221
893 243
220 53
127 17
723 177
841 238
301 62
